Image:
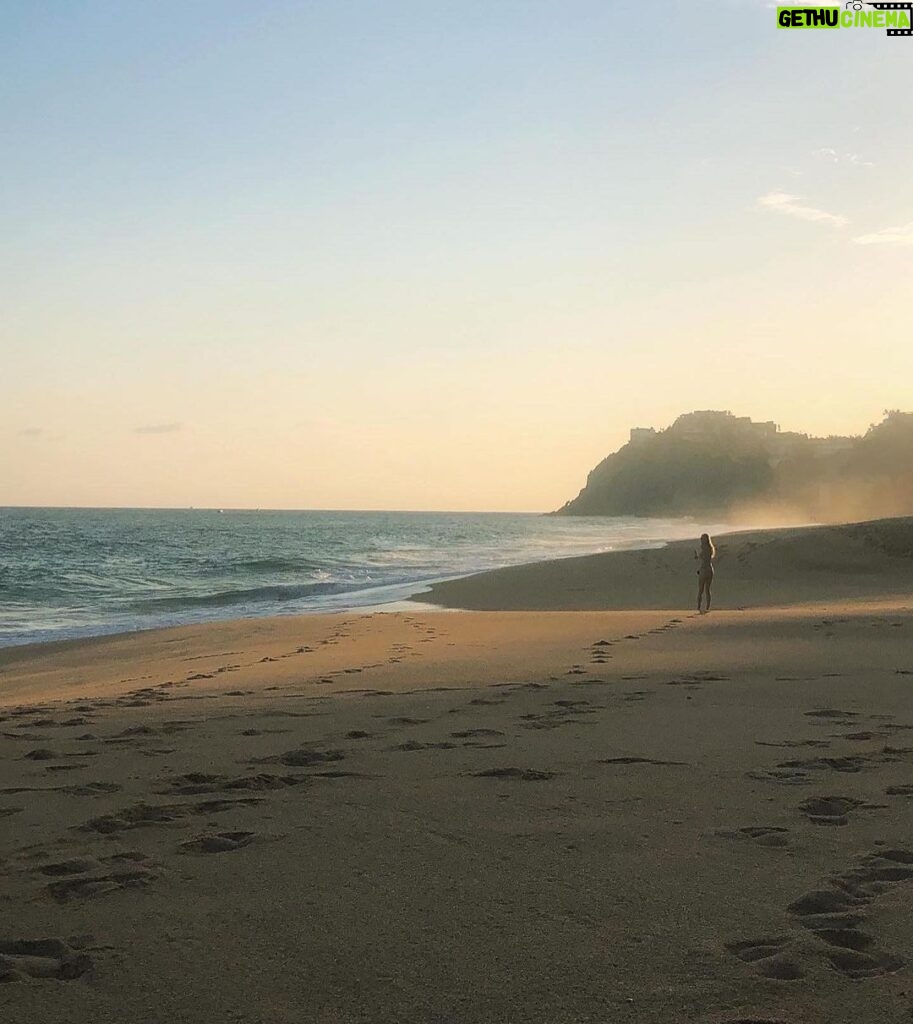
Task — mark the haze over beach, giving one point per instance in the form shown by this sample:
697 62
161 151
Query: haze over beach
456 514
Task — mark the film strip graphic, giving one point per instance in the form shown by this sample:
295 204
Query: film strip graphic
908 6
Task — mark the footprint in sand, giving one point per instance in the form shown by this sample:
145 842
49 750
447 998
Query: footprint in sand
695 680
27 737
221 842
303 757
829 810
793 743
831 713
86 886
754 1020
196 783
637 760
150 815
763 835
781 776
905 790
837 764
140 732
767 957
833 915
42 958
515 774
864 965
410 745
41 754
556 719
73 866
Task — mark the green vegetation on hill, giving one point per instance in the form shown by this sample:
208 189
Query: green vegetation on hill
720 465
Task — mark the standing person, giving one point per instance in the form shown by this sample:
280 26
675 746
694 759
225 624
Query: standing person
705 572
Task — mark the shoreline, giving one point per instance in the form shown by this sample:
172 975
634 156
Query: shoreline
356 571
620 580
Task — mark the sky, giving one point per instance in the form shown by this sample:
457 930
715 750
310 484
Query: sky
433 255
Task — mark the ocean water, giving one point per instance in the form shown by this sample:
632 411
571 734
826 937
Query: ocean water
78 572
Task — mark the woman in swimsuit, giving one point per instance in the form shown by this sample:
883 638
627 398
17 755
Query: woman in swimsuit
705 573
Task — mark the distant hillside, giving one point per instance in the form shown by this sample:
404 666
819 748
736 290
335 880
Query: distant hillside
724 466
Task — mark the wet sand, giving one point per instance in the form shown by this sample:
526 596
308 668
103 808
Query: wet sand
543 816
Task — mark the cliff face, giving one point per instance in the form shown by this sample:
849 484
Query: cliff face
719 465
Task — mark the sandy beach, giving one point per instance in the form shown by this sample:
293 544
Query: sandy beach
577 801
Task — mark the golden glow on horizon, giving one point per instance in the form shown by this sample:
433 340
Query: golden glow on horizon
444 429
448 268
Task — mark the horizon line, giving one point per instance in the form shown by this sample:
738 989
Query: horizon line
263 508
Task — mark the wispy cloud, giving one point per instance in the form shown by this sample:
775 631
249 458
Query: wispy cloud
792 206
31 432
902 235
159 428
832 155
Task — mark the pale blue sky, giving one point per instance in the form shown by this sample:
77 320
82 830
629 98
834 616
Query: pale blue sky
433 255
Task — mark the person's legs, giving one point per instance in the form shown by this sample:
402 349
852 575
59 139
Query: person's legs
707 589
701 585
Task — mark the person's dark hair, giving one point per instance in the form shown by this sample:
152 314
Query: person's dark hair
707 544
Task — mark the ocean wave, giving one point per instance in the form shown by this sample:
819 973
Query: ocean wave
268 565
226 598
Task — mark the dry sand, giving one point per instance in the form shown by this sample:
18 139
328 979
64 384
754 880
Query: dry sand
514 816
